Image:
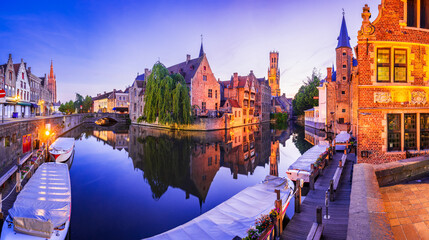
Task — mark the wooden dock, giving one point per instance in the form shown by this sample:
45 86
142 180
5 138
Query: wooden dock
336 226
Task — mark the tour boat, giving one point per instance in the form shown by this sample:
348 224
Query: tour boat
234 216
42 209
62 149
301 168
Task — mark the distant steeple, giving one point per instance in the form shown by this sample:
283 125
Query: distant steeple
51 74
201 49
343 39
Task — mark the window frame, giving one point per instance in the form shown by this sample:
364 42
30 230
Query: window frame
400 65
424 130
385 65
396 131
410 131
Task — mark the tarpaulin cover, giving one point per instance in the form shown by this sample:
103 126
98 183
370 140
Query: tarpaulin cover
304 162
234 216
343 137
45 198
61 145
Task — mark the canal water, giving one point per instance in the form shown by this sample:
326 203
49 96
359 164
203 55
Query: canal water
132 182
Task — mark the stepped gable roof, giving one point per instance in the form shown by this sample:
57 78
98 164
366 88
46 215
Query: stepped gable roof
16 67
187 68
343 39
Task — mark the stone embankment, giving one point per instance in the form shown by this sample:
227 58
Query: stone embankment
368 218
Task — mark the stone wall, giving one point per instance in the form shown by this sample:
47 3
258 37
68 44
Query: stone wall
11 135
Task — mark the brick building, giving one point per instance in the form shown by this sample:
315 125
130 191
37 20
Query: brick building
390 84
274 74
203 87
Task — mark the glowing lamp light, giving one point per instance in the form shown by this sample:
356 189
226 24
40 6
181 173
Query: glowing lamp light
47 133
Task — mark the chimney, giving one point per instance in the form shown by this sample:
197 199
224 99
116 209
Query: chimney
235 80
329 74
146 72
188 58
104 92
98 94
284 95
22 60
29 69
138 74
251 71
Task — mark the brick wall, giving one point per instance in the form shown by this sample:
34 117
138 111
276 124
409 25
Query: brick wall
200 88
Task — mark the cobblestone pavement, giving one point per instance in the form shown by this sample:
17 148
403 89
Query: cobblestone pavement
407 207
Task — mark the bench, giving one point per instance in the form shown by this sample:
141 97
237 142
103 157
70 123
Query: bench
316 230
336 179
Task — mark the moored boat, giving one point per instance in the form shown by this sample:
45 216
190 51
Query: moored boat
42 209
62 149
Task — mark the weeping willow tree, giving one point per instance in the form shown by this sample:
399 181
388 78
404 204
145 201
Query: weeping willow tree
166 97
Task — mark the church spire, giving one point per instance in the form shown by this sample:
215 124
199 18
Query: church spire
51 74
343 39
201 49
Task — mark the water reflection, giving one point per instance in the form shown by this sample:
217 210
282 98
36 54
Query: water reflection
166 178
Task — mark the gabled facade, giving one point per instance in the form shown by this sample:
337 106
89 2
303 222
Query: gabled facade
22 90
203 87
391 82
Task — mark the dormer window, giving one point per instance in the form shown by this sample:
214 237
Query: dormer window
418 13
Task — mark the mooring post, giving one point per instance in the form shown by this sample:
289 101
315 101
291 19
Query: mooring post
313 169
326 204
331 190
278 205
18 179
1 206
298 196
319 215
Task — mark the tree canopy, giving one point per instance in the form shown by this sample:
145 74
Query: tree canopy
304 99
70 107
166 97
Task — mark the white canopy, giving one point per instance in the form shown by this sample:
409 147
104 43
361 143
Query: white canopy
45 199
304 162
234 216
342 137
62 144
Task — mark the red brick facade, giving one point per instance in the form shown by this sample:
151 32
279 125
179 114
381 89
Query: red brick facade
374 100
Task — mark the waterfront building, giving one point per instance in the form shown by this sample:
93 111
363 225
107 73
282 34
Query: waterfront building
390 84
45 99
274 74
334 113
282 104
100 102
9 86
118 101
35 84
263 98
23 105
52 84
233 109
136 95
204 90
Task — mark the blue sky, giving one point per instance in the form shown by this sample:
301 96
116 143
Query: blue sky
97 46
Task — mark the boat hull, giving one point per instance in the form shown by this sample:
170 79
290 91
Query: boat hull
7 233
62 157
295 174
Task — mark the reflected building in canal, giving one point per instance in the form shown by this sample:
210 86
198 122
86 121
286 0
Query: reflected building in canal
191 160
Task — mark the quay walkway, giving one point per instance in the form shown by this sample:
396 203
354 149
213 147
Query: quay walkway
335 227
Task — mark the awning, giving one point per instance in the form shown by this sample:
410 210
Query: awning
24 104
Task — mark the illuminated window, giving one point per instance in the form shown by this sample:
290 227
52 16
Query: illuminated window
394 132
410 133
400 65
383 65
424 131
418 16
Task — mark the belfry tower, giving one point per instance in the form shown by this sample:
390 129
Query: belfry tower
274 74
52 84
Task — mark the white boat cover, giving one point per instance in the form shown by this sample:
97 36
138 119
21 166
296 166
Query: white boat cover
343 137
304 162
62 144
44 202
234 216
